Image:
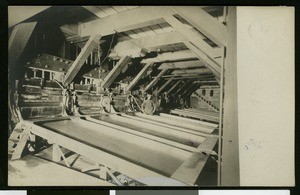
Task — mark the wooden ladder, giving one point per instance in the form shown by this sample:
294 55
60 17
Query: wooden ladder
17 142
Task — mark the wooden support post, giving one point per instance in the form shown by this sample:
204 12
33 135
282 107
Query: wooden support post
112 75
153 82
173 87
230 164
139 76
56 156
81 58
164 86
102 172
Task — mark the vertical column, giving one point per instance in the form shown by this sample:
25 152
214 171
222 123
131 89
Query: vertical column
230 172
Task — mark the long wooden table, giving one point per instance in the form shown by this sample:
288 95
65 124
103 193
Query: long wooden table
133 145
198 114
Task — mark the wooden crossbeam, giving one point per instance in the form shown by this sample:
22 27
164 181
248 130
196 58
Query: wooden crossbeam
190 170
139 76
182 65
193 37
150 43
153 82
83 55
191 71
112 75
128 20
182 55
204 22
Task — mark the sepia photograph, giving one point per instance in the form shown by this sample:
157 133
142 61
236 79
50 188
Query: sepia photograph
150 96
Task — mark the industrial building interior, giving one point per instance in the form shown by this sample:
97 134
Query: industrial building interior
117 95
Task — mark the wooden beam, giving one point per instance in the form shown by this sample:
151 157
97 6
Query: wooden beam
183 84
153 82
181 55
83 55
194 37
174 86
194 122
164 86
112 75
190 170
195 115
139 76
181 88
151 43
191 87
17 43
182 65
211 64
17 14
204 22
128 20
96 11
191 71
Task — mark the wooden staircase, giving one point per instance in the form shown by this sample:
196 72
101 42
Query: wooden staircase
209 103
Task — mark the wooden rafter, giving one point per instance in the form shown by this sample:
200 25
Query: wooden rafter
83 55
139 76
211 64
182 55
164 86
112 75
193 37
154 81
174 86
204 22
